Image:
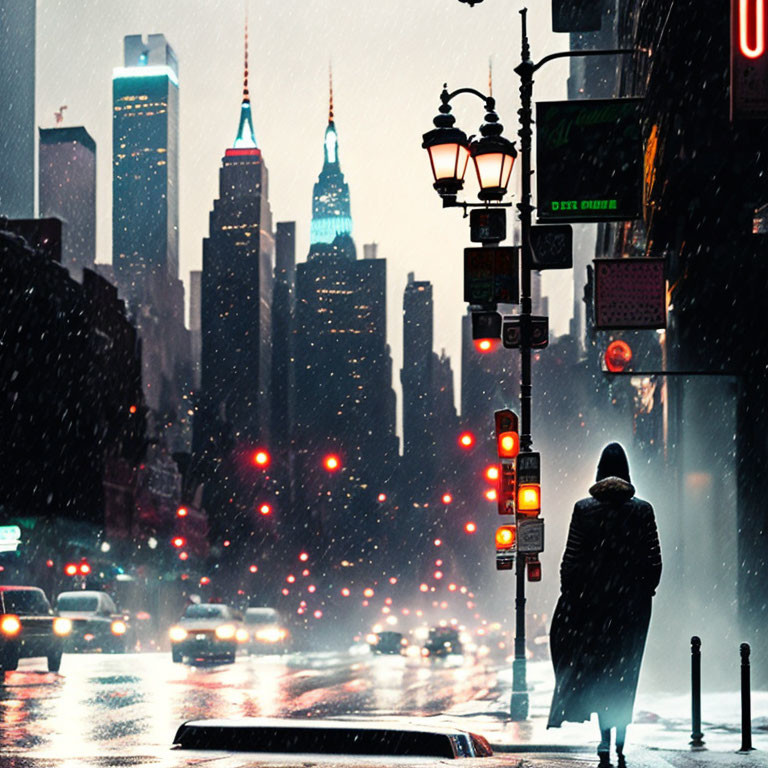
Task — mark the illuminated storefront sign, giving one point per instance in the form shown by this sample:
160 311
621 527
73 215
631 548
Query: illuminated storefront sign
749 60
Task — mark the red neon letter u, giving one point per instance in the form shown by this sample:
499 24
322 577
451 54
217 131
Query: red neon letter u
758 28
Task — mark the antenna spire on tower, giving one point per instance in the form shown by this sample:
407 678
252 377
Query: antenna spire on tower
330 90
490 76
246 96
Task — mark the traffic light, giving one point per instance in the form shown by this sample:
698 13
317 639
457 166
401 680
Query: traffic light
486 330
618 356
507 437
506 537
534 570
529 499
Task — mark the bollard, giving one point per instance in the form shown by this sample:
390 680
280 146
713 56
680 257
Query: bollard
697 737
746 703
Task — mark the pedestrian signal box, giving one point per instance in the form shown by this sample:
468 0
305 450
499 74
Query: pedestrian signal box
506 538
507 488
507 437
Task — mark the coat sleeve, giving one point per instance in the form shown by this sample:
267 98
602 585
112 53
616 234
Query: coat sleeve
651 550
571 566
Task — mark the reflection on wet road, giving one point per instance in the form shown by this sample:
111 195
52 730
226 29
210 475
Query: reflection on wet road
132 704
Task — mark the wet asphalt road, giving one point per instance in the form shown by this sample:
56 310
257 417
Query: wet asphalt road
130 705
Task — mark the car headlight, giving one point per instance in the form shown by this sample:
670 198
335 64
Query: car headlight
177 634
242 635
270 634
225 632
372 639
10 625
118 627
61 626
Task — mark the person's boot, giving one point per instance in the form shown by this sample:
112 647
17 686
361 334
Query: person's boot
620 759
605 759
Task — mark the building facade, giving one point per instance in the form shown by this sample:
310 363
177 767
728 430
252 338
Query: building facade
67 190
17 115
145 147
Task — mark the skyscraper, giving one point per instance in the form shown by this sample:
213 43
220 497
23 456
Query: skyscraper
344 396
17 109
145 145
236 295
331 229
416 378
68 191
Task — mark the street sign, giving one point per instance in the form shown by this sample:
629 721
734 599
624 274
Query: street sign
552 246
589 156
487 225
529 468
576 15
749 59
10 538
630 294
513 331
507 488
491 275
530 535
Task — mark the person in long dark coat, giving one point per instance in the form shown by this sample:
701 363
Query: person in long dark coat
609 574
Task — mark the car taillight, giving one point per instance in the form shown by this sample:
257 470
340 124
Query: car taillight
119 627
10 624
62 626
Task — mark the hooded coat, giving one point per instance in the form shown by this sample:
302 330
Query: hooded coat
609 573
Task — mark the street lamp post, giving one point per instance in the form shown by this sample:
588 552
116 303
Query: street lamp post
449 175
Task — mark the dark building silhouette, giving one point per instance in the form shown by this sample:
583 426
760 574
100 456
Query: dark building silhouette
70 365
145 147
17 113
417 381
67 190
283 321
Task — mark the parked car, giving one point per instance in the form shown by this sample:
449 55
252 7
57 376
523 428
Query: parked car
97 625
30 628
207 632
387 642
442 641
266 631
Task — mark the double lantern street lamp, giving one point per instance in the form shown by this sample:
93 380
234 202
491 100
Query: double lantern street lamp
449 151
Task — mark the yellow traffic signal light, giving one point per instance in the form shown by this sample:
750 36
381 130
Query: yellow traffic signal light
529 499
506 535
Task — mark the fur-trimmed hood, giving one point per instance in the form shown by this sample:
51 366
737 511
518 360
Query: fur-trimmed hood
612 490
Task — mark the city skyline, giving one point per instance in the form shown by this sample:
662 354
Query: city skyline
380 111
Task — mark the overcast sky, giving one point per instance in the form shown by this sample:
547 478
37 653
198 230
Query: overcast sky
390 58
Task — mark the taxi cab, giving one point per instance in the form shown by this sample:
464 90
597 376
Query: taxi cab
207 632
29 628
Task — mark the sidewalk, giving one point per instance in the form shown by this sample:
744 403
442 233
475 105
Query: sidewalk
661 727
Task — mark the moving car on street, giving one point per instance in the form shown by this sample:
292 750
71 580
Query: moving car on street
387 642
266 631
29 628
442 641
97 625
207 632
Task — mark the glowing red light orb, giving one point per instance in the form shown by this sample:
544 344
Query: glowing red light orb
393 580
183 556
290 579
311 588
260 458
447 498
285 591
182 512
618 356
254 569
423 587
132 409
303 557
438 575
368 592
205 580
438 542
265 509
466 440
332 462
492 473
318 614
470 527
70 569
345 592
382 497
85 569
178 541
491 495
483 346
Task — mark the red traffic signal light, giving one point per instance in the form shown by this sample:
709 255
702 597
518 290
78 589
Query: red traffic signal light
70 569
261 458
618 356
484 346
466 440
506 535
332 462
534 570
507 437
84 568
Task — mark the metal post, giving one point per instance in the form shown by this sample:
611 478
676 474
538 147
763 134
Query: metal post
697 737
746 704
519 702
